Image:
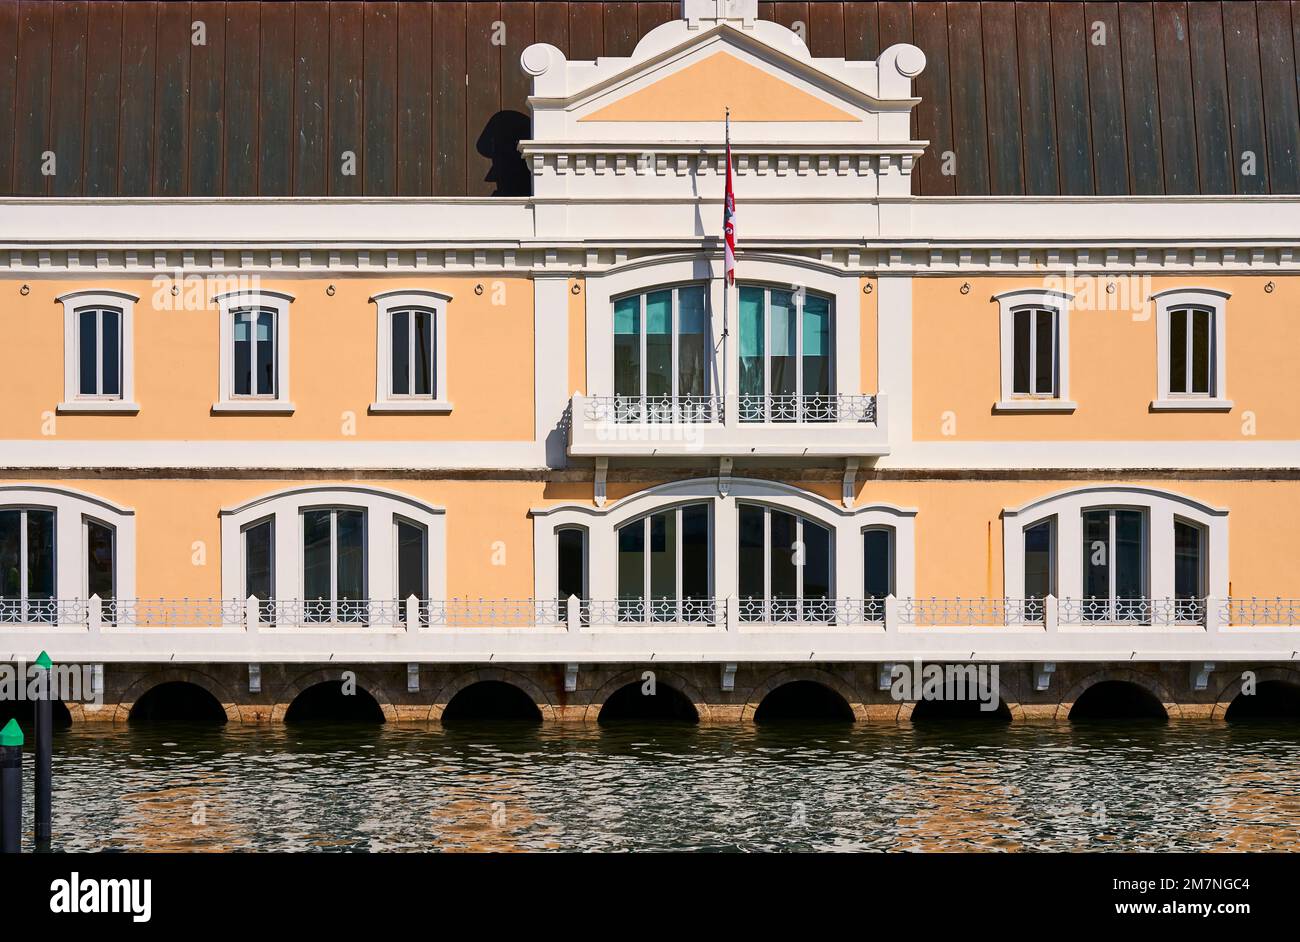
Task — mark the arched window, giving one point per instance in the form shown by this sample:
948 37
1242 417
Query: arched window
786 366
254 352
1191 334
98 340
334 553
411 372
784 566
661 341
664 565
571 563
57 544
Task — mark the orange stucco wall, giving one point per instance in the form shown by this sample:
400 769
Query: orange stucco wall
331 369
1113 357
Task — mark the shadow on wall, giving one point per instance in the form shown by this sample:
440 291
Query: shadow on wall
499 142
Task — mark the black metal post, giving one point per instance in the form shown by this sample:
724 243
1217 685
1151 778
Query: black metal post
44 753
11 788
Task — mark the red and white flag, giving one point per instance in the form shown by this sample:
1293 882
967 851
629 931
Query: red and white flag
729 216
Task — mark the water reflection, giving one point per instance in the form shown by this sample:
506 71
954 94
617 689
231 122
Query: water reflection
637 786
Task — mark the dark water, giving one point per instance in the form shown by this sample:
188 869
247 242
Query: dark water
1129 786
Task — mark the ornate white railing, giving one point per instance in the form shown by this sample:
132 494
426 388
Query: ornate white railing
655 410
1132 611
832 407
811 611
414 614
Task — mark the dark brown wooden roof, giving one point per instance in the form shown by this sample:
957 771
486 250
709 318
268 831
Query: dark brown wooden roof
431 106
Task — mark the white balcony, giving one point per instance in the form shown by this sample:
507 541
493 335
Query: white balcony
839 425
725 630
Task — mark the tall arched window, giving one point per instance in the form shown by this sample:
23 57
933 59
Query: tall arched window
785 356
664 566
784 566
660 362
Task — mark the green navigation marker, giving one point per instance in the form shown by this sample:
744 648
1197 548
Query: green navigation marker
43 661
12 734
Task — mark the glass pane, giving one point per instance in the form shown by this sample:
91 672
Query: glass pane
1178 351
259 561
411 569
751 575
1189 567
627 347
1039 576
877 564
423 353
266 353
696 566
1020 352
659 343
816 561
40 554
110 325
784 379
316 554
1096 554
401 366
1045 355
1200 352
816 346
631 560
663 555
351 554
571 565
784 571
690 341
751 341
243 355
10 547
99 560
88 351
1129 555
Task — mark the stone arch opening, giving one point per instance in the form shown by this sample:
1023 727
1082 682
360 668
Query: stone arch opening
804 701
1118 700
177 701
24 711
967 708
328 702
494 700
1272 700
630 703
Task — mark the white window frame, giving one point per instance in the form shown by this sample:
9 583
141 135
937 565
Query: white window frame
1111 568
1215 301
644 522
586 558
334 509
602 523
439 400
892 531
73 303
1160 507
1205 548
381 506
243 554
71 509
798 294
674 334
800 520
1009 302
229 305
411 522
86 520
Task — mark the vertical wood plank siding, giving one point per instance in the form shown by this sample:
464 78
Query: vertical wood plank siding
379 98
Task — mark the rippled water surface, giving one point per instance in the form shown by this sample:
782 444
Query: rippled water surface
1180 786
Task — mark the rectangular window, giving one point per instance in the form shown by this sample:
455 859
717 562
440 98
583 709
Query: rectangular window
877 563
413 354
668 552
1034 353
1191 352
660 355
259 560
785 567
101 558
571 563
785 359
334 564
1189 561
1040 567
254 360
27 565
1114 565
99 353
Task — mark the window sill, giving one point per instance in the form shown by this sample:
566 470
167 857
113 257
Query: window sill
97 406
1191 405
253 407
412 406
1035 405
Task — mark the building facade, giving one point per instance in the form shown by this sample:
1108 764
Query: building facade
251 443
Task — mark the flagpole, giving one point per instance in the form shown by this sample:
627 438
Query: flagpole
729 414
